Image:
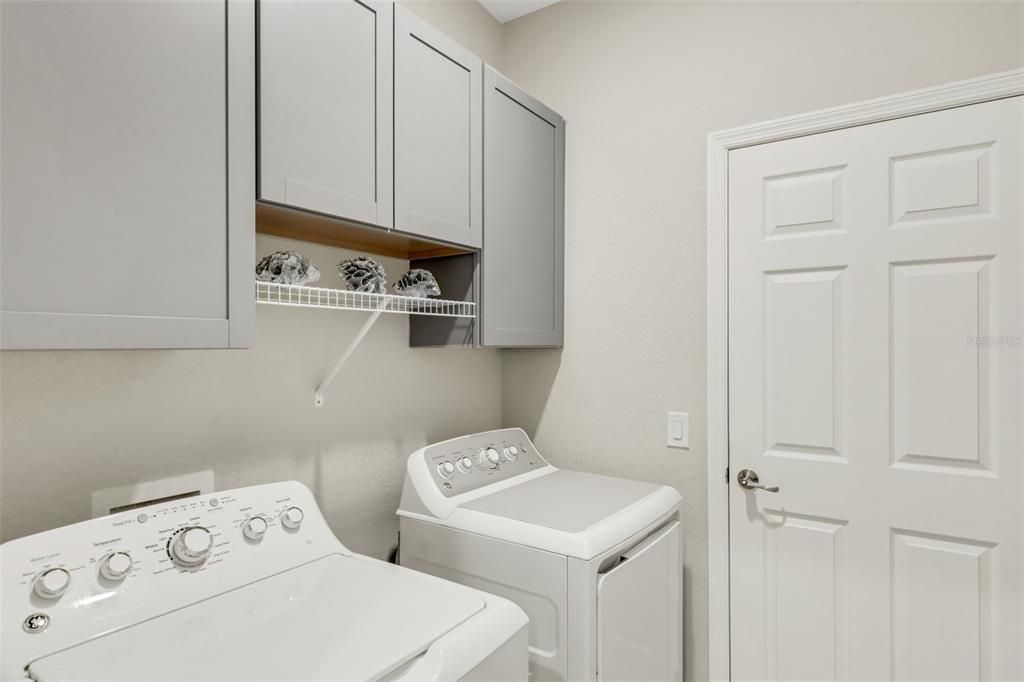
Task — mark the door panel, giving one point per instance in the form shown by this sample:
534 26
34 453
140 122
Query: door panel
805 578
941 420
325 107
941 590
438 134
875 375
802 362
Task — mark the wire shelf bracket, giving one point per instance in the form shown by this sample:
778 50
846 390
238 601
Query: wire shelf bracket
272 293
318 397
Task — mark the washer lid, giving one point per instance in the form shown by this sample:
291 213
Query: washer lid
569 501
337 618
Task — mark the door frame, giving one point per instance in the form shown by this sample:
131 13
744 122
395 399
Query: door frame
960 93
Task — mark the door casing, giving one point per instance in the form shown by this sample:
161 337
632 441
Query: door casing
960 93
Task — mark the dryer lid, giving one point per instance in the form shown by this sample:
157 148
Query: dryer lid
568 501
337 618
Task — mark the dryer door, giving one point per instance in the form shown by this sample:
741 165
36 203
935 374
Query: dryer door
640 610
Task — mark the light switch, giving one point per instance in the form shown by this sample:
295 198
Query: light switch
678 435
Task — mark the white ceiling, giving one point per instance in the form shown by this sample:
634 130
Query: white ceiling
507 10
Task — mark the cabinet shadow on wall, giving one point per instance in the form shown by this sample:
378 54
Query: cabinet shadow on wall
527 377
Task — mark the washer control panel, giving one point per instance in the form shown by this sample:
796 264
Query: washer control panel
65 585
467 463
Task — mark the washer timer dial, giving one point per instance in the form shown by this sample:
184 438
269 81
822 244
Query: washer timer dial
191 546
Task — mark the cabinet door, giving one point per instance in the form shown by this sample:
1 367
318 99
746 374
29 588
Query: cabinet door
325 107
522 260
122 225
438 134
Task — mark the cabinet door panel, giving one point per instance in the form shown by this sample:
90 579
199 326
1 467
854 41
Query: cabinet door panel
522 260
438 134
325 107
118 209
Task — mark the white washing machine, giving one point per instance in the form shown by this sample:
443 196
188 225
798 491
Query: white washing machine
247 584
594 561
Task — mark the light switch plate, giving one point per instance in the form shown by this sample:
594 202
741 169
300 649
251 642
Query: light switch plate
678 430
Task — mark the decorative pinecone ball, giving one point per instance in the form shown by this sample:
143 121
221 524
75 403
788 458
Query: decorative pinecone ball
417 283
363 274
286 267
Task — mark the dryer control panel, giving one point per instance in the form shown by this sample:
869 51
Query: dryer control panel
470 462
66 585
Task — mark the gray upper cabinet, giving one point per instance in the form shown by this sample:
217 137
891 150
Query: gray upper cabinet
438 134
522 258
325 73
129 174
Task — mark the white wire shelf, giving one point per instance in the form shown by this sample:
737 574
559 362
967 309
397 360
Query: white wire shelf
339 299
271 293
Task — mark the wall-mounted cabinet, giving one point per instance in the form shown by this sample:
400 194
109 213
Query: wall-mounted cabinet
129 173
380 133
438 134
517 278
325 110
369 115
522 260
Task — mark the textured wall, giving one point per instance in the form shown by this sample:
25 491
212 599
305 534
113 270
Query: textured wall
641 85
76 421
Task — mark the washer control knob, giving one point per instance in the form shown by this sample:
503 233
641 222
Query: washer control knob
254 528
291 518
116 566
192 546
511 453
446 469
465 464
52 583
489 457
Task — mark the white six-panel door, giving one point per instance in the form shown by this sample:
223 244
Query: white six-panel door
875 375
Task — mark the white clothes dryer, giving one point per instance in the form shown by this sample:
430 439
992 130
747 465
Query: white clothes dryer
246 584
594 561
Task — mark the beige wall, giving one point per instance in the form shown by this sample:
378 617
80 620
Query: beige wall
641 85
75 421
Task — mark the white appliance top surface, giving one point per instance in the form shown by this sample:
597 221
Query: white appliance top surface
336 618
569 501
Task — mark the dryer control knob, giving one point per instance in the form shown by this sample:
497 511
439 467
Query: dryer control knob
191 546
446 469
511 453
116 566
52 583
254 528
292 518
489 457
465 464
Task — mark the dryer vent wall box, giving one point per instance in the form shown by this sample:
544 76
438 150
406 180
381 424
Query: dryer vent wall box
594 561
243 584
